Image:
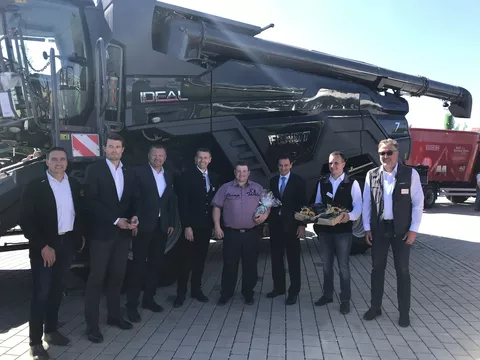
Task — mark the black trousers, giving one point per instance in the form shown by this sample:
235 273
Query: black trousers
401 256
48 286
193 254
106 256
148 251
285 242
239 245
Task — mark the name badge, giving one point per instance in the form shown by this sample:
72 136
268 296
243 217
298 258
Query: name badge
405 191
330 195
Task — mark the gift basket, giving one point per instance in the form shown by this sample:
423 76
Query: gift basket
267 200
320 214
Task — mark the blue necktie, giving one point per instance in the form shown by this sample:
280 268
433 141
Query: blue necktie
282 186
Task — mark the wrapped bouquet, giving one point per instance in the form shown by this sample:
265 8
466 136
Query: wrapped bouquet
267 200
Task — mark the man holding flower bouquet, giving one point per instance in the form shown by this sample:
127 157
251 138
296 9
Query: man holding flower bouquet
285 231
340 191
237 202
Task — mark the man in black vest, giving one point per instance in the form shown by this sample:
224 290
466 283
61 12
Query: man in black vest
155 192
392 212
198 186
51 218
341 191
285 231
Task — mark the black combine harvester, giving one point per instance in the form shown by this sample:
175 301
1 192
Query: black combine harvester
187 79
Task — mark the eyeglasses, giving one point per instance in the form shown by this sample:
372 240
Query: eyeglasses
388 152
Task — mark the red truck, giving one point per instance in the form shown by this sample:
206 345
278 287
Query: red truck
450 160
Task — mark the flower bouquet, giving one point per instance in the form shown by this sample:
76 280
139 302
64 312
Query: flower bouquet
267 200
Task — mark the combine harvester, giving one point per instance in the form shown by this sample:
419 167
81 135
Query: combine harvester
73 72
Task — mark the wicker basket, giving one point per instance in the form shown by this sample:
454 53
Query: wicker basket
304 218
329 222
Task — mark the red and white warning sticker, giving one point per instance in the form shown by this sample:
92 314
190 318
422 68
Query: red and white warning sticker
85 145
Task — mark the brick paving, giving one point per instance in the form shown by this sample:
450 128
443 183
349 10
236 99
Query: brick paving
445 314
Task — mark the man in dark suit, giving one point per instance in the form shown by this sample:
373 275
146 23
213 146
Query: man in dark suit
155 193
51 218
198 186
285 231
109 192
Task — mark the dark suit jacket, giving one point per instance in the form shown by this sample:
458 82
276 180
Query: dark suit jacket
38 214
102 201
194 200
150 203
294 197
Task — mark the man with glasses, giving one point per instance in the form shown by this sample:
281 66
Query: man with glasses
392 212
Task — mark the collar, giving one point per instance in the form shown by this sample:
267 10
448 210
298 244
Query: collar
394 172
286 177
235 183
111 166
51 178
203 172
156 172
339 179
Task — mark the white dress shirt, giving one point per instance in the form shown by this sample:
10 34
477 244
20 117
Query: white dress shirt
117 174
64 202
207 180
161 183
356 196
389 181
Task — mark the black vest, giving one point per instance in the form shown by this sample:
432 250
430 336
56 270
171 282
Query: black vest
401 200
343 198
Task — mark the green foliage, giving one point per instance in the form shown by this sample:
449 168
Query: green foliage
449 123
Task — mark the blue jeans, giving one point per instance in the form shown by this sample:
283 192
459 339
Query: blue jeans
340 245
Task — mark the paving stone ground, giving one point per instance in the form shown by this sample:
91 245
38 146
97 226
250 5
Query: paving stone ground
445 313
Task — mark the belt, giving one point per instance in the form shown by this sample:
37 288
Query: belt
388 221
240 230
64 233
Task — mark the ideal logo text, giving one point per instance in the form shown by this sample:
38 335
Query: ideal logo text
148 97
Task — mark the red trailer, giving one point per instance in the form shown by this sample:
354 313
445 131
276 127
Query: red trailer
452 160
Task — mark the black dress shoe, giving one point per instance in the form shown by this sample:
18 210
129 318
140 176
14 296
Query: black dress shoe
133 315
275 293
37 352
200 296
223 300
404 320
94 335
344 307
249 300
372 314
55 338
153 306
323 301
291 299
178 301
120 323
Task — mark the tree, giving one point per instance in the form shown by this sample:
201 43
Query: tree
449 123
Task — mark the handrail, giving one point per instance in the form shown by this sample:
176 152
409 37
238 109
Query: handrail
55 109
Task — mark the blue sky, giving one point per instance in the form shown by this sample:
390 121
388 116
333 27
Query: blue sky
437 39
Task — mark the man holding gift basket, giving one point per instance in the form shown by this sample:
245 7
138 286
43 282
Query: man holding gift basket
239 199
339 191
